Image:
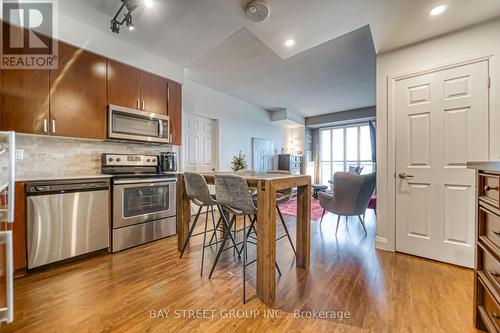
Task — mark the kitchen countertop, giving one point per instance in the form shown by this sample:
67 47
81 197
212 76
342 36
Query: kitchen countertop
26 178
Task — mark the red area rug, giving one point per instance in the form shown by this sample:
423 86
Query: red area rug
290 208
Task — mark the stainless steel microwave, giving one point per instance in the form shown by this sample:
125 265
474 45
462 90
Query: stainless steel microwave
135 125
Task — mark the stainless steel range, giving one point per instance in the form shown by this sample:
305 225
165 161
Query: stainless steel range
143 199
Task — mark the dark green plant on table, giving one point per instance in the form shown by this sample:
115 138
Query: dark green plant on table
239 162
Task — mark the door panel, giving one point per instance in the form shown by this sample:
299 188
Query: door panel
441 123
78 94
200 144
124 85
154 93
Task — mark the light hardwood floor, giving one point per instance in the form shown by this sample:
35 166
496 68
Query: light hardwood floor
382 291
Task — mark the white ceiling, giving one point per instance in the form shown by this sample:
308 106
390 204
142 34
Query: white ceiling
334 76
321 73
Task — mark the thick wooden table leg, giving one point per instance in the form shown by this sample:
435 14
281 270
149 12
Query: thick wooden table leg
266 242
183 211
303 225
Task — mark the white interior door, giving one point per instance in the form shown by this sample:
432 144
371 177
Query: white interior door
441 123
200 148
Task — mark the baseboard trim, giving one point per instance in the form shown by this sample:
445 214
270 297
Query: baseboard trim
382 243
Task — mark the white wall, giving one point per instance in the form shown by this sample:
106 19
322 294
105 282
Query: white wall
472 43
109 45
238 121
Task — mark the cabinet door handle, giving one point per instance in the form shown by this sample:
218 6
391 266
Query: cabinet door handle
489 188
143 105
138 106
45 125
53 126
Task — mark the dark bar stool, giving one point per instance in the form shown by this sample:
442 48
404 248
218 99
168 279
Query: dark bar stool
234 197
198 192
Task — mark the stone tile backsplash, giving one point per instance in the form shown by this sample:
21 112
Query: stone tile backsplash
66 156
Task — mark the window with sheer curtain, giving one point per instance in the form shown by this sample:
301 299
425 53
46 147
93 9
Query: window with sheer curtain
342 147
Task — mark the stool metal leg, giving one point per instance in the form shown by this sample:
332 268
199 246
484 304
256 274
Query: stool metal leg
286 229
244 261
204 242
190 231
227 234
215 227
252 226
322 214
363 223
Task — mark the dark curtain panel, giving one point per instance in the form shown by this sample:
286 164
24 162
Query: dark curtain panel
373 139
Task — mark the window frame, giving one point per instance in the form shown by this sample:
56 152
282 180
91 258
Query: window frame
345 163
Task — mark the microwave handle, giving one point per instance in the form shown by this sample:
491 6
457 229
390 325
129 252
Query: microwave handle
161 128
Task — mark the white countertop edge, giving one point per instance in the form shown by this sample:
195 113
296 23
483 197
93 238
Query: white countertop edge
30 178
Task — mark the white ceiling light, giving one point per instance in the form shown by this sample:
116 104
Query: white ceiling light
289 42
438 10
148 3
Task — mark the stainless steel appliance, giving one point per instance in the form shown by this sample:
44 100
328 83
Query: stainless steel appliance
7 152
168 162
143 200
135 125
66 218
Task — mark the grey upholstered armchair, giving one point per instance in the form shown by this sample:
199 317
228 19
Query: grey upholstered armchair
351 196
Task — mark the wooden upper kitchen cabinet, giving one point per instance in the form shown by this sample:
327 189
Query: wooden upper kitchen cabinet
175 111
78 94
153 93
24 97
24 100
124 85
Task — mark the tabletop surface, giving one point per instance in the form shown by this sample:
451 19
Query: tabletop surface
252 175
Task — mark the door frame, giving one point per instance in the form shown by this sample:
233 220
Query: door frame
216 138
390 205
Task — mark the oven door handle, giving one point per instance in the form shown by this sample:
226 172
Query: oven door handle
144 181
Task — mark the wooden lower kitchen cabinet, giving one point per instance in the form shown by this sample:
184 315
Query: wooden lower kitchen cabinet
78 101
19 228
487 271
175 111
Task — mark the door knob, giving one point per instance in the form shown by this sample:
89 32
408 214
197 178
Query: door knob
404 175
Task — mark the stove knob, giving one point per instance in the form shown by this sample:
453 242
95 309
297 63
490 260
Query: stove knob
111 159
148 160
118 159
153 160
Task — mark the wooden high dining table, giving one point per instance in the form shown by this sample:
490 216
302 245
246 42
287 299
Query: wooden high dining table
267 185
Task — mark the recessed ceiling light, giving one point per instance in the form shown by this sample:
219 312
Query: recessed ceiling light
289 42
148 3
438 10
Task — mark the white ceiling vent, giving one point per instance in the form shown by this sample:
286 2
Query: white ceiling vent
257 11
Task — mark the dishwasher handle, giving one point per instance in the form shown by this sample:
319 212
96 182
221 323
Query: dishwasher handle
54 188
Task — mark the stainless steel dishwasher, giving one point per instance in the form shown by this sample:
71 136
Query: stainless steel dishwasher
66 218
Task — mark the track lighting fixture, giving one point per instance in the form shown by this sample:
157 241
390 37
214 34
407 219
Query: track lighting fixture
129 6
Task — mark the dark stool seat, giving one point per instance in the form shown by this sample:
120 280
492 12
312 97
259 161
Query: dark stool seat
318 188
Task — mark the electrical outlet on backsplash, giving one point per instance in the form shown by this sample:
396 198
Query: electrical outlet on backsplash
65 156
